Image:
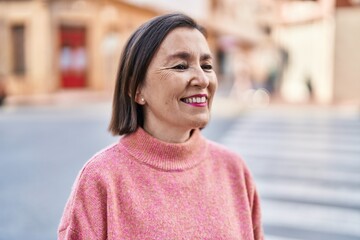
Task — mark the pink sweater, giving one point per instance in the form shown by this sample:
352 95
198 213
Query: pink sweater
143 188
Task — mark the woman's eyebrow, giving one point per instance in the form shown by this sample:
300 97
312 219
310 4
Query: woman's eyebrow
186 56
179 55
206 56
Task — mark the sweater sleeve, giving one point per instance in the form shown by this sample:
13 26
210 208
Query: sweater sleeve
254 200
256 217
85 213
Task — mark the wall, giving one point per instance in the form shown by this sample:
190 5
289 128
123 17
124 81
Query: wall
347 55
33 15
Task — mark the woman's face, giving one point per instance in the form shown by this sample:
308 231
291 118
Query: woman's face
179 86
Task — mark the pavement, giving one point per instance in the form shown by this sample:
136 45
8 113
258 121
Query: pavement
62 97
224 105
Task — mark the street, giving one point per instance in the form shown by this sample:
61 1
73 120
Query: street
305 161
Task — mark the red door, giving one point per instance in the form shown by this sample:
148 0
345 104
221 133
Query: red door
73 57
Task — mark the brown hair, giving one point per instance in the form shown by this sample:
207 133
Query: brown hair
139 50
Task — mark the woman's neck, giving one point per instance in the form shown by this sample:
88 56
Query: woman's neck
168 134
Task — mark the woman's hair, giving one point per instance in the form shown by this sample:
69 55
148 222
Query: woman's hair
139 50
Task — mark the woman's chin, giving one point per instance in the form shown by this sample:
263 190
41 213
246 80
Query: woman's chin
201 122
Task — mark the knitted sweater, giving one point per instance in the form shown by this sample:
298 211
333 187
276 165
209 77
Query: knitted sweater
143 188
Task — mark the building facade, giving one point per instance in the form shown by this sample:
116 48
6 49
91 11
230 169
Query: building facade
322 38
50 45
54 45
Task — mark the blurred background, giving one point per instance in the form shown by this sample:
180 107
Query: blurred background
288 102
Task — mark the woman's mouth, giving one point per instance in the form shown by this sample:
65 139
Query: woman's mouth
199 100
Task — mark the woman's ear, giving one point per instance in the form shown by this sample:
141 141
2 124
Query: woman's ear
139 98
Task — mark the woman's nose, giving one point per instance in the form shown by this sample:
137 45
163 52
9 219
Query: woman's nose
200 79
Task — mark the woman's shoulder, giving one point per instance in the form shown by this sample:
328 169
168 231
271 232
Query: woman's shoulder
222 155
103 157
219 150
102 163
231 162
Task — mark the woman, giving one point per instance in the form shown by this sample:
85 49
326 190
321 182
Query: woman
163 180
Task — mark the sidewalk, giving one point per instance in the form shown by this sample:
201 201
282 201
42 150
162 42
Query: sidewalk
223 105
64 98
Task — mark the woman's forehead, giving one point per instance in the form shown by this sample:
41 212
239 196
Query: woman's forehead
184 43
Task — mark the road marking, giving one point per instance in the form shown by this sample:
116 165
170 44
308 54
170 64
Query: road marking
318 218
306 166
300 191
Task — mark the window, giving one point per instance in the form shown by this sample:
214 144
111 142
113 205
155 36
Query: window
18 49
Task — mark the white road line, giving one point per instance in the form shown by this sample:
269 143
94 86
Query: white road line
267 130
292 144
316 218
303 171
278 126
297 155
300 191
271 237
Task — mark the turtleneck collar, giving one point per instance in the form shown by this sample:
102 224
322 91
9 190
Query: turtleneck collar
163 155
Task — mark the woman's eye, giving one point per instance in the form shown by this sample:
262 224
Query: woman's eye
207 67
180 67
